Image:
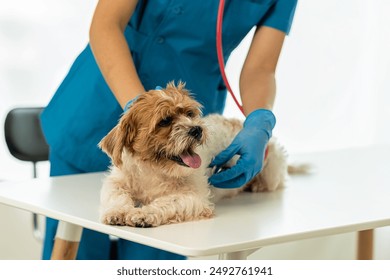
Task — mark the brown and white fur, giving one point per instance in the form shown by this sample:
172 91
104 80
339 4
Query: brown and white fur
161 150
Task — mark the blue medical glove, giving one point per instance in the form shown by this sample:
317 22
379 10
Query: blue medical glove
250 144
130 102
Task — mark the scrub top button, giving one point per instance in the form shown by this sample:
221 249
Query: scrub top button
160 40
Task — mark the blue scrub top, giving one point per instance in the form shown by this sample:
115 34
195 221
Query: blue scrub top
169 40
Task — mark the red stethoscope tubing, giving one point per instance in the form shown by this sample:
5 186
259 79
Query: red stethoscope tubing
221 59
220 53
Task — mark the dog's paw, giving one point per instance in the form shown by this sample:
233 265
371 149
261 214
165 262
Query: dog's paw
141 219
207 213
113 218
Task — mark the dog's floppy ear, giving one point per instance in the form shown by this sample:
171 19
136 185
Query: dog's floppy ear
120 136
112 145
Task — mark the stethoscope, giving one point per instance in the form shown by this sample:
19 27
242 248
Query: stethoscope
220 52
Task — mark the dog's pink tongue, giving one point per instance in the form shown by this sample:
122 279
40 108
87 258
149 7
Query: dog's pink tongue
192 161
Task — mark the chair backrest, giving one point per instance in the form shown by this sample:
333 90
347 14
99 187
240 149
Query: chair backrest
23 135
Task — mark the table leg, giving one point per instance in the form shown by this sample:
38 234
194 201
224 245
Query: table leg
240 255
365 244
67 241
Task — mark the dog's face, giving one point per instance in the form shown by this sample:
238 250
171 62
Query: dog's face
162 130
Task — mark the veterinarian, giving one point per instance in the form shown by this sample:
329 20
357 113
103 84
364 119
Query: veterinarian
138 45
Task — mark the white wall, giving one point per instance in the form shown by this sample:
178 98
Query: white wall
332 92
332 86
38 42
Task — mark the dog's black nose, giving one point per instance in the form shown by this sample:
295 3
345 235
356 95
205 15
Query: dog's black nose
196 132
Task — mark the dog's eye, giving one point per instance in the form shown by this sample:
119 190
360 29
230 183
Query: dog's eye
165 122
190 114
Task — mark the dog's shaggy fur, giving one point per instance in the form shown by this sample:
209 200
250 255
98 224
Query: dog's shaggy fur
161 150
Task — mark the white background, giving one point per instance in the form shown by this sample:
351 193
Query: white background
333 92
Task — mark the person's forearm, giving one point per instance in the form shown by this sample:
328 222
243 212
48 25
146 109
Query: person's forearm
258 90
114 58
257 80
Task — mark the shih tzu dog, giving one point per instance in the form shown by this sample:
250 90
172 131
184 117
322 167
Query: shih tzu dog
161 150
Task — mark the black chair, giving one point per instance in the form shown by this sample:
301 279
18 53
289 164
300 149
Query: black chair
25 141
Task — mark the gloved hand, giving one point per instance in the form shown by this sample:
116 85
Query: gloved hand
130 102
250 144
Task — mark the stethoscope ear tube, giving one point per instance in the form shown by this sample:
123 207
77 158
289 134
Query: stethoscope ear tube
220 52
